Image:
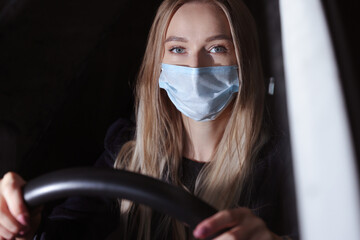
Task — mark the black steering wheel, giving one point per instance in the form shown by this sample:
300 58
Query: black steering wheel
112 183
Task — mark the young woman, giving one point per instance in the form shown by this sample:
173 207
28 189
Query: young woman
199 125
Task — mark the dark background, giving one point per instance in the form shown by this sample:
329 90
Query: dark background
67 69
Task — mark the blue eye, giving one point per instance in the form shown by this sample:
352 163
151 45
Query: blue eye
218 49
177 50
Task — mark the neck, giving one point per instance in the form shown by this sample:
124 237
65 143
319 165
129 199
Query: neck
202 138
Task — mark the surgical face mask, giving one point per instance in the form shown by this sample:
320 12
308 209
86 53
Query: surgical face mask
200 93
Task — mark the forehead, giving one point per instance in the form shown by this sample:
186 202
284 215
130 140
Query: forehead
197 20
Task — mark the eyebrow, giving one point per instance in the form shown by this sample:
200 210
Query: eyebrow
219 37
176 39
209 39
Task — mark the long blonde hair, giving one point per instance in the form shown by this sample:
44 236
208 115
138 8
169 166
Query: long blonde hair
158 145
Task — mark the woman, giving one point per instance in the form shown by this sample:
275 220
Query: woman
199 125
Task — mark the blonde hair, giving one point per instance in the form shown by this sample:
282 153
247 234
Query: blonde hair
158 145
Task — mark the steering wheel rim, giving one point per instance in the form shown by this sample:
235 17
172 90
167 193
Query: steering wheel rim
112 183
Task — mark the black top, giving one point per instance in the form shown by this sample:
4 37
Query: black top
272 195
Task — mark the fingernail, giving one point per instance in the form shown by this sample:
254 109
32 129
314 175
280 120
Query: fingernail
24 231
200 232
23 219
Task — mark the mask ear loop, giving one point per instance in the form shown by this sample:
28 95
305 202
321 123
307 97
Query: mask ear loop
161 69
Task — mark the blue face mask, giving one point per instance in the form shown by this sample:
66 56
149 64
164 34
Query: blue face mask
200 93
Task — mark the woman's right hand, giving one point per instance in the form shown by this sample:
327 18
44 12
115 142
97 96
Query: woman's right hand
15 220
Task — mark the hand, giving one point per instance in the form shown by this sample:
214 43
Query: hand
15 221
242 224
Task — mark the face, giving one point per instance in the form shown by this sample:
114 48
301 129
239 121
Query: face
199 36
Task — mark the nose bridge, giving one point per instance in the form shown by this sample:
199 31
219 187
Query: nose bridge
199 58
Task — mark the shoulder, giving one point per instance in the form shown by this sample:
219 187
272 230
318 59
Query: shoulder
120 132
275 154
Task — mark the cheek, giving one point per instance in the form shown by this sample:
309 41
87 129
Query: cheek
225 60
172 58
232 58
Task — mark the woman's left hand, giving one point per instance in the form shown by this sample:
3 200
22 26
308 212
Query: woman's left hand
242 224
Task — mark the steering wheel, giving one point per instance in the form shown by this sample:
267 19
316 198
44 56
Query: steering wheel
112 183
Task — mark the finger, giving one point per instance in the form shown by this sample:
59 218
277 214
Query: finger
7 221
12 193
249 228
221 220
263 234
237 232
5 234
30 232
